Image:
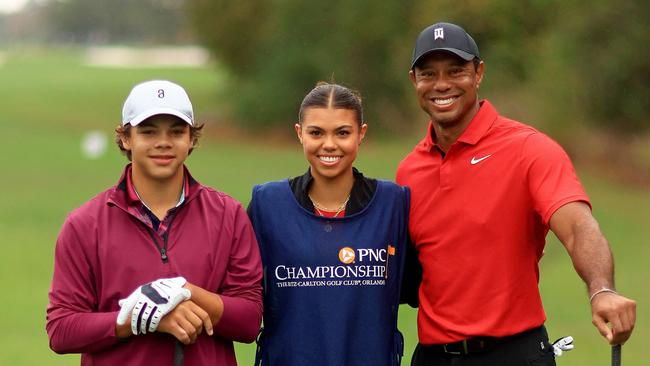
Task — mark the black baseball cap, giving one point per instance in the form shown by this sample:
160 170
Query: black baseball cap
444 37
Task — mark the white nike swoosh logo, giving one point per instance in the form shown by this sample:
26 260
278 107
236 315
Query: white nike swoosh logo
476 161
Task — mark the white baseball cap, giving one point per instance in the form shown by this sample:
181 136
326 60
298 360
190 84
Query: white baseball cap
155 97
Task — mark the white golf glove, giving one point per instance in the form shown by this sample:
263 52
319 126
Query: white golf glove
150 302
561 345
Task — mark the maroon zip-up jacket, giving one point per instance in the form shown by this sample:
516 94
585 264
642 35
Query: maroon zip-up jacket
104 251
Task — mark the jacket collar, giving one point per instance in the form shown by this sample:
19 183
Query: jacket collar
123 194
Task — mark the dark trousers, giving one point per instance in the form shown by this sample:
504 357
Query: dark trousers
530 348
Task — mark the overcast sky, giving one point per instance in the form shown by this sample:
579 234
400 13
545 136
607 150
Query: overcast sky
10 6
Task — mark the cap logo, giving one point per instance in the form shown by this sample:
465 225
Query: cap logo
438 33
161 93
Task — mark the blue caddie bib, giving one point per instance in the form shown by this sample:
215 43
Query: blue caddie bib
331 285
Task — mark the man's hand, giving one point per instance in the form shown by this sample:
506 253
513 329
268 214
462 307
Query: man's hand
186 322
150 302
618 311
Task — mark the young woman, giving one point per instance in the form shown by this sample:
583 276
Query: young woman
333 244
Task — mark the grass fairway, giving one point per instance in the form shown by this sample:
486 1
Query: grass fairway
49 100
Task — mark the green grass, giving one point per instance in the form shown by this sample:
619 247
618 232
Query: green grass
50 100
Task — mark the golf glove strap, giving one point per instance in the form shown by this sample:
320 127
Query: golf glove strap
562 345
150 302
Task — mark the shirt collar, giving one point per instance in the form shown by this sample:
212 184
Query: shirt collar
477 128
480 124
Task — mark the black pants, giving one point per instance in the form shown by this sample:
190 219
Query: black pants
530 348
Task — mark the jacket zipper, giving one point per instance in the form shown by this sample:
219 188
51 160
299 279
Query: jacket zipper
162 250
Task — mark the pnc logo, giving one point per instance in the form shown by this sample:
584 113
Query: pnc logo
346 255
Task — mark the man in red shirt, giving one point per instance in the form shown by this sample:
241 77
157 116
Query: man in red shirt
158 259
485 191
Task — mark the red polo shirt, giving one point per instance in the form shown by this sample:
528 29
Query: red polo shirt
479 218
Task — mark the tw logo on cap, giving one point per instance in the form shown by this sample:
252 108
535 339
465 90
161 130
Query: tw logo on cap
438 33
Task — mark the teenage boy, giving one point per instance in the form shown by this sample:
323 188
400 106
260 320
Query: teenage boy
157 259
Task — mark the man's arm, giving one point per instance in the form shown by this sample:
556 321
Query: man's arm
73 323
241 290
236 308
578 230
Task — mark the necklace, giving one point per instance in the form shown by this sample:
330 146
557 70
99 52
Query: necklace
320 208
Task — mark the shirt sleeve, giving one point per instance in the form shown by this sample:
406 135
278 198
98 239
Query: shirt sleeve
412 277
73 323
241 291
552 180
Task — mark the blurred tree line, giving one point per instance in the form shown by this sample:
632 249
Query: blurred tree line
576 59
98 22
555 63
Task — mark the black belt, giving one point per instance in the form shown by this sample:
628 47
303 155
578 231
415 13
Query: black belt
466 346
473 345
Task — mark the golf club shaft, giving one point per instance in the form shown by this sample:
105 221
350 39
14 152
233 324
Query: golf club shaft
178 353
616 355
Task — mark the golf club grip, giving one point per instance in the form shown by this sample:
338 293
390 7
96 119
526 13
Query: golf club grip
178 353
616 355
